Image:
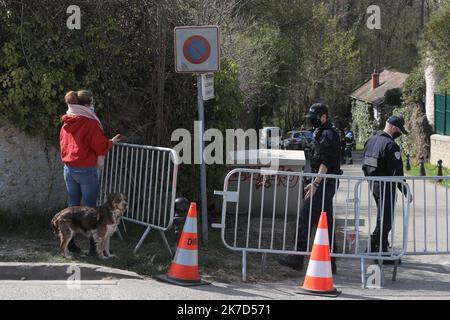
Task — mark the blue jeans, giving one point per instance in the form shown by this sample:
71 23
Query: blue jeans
82 186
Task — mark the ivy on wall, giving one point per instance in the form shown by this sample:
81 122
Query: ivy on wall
364 125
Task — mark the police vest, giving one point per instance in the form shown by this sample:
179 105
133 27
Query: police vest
314 147
373 155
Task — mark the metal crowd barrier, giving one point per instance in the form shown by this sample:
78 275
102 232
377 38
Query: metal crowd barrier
262 208
148 176
429 218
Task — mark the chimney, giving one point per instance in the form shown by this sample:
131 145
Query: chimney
375 80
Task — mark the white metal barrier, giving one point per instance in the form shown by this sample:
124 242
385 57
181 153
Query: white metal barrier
263 210
429 218
148 176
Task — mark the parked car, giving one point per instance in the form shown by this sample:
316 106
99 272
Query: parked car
298 140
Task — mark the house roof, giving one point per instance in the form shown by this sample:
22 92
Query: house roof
389 79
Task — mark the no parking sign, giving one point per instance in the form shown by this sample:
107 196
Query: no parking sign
197 49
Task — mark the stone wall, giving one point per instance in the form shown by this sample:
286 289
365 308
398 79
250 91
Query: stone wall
31 174
440 149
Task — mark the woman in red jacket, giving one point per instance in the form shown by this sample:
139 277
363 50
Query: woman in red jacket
83 149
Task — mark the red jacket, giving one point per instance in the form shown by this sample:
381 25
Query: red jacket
82 141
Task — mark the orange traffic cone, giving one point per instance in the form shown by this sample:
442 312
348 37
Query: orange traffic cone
184 268
319 278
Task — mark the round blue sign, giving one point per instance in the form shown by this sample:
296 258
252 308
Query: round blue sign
196 49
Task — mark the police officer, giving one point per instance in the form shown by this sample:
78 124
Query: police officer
324 160
343 144
349 143
382 157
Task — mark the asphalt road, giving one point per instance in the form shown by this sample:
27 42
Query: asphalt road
419 276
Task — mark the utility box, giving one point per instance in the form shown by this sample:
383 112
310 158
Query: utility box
289 190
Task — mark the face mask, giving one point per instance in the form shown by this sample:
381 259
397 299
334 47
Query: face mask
92 107
315 123
397 135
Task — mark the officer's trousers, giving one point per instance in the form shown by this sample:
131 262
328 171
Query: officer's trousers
316 210
384 195
348 151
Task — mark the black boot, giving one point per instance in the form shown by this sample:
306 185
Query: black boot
375 248
385 248
292 261
375 244
73 247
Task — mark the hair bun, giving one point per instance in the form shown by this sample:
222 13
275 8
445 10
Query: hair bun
71 97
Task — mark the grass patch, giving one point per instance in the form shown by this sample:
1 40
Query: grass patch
430 169
359 147
30 239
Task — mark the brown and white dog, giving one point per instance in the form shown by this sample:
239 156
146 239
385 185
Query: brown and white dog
100 223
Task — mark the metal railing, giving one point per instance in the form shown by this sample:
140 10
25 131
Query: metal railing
429 218
441 113
148 176
264 211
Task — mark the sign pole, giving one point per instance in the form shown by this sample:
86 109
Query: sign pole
201 117
197 51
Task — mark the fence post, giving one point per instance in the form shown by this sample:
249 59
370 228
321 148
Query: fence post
408 162
445 113
422 167
440 173
435 114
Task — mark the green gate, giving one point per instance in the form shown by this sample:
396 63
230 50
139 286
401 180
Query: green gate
442 114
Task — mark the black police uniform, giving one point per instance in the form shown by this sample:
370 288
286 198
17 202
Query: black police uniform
349 143
382 157
326 151
343 145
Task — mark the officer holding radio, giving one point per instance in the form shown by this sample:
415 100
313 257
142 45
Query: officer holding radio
325 159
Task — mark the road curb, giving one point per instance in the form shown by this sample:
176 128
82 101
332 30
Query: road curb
61 271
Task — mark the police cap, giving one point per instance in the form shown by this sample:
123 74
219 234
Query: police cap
399 122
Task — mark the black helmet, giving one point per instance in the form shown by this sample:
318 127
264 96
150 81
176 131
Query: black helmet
316 111
181 207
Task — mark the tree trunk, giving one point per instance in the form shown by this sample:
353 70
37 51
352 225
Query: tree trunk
161 65
422 15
